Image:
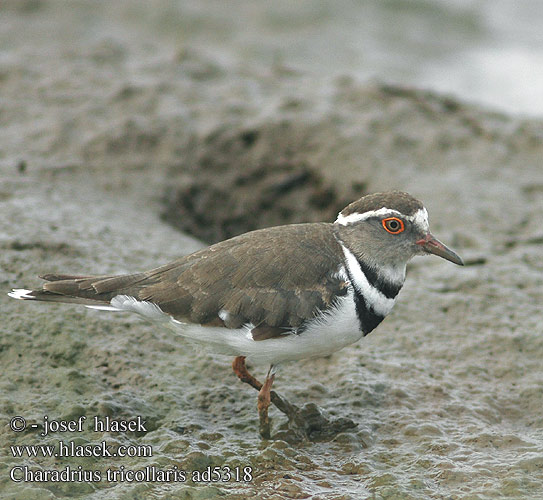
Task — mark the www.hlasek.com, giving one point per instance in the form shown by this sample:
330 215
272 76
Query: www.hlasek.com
117 473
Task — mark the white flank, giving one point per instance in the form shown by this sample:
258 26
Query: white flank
20 294
325 334
374 298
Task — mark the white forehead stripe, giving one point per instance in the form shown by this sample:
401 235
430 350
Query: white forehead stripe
356 216
374 298
419 218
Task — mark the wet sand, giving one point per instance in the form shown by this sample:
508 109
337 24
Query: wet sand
105 119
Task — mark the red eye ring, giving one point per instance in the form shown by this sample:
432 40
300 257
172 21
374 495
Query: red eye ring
393 225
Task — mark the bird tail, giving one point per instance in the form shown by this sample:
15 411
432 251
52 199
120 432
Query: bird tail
92 291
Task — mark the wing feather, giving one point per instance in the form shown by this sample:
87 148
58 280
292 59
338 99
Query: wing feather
257 278
275 279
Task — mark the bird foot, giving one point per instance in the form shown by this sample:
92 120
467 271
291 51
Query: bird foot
308 422
304 423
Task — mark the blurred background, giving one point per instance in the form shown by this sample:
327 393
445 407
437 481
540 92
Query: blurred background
486 51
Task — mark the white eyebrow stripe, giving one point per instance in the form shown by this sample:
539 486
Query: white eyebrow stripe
356 216
419 218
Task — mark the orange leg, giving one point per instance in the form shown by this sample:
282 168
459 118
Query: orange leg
238 365
264 399
298 421
265 395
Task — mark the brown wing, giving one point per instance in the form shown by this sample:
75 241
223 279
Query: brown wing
277 277
273 278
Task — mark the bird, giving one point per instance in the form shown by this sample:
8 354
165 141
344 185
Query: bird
273 295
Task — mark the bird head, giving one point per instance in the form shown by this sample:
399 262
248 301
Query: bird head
386 230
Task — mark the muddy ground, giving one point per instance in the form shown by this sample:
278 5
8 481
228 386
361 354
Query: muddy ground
115 132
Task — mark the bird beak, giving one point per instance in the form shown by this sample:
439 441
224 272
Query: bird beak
430 244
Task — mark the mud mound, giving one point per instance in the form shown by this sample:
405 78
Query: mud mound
238 179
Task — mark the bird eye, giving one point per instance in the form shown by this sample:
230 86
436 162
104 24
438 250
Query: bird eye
393 225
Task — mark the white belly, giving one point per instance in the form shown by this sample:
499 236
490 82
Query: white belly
323 335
